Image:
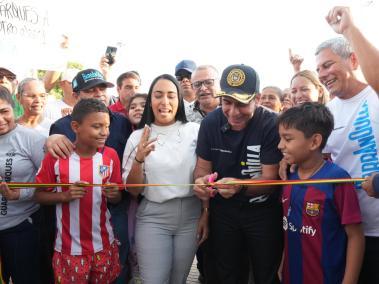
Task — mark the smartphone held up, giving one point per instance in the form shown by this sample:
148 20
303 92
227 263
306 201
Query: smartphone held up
110 54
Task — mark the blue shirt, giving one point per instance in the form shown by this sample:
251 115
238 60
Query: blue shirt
314 216
119 131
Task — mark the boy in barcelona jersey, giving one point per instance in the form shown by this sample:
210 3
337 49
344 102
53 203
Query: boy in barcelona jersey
323 241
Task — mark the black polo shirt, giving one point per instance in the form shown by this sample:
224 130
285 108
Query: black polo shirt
239 154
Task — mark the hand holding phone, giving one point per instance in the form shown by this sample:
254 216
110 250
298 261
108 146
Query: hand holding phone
110 54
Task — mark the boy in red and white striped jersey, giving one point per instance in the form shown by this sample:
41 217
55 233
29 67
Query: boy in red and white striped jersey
85 247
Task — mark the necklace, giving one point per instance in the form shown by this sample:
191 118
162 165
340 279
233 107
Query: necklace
314 171
163 134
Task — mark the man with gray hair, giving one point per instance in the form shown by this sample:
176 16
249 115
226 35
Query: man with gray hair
206 84
341 21
354 140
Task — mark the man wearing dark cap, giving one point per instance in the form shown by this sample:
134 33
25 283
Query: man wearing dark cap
90 83
183 73
239 142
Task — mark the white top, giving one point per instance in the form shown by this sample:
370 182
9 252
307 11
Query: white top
44 127
353 145
53 109
172 162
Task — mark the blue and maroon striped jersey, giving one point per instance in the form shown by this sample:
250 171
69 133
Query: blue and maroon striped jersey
314 216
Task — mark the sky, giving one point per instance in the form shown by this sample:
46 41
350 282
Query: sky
152 36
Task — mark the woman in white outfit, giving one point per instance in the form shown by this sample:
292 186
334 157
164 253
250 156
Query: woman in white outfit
170 222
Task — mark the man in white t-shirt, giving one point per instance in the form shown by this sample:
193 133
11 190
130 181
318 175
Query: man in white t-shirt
354 140
56 109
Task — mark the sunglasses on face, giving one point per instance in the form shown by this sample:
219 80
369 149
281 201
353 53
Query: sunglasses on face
183 75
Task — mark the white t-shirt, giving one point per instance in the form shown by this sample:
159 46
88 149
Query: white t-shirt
21 153
53 109
188 107
353 145
172 162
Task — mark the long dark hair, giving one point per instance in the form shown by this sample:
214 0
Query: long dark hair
148 115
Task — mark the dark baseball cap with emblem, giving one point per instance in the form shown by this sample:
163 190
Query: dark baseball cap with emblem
87 79
240 82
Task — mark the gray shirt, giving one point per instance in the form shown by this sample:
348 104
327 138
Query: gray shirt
21 153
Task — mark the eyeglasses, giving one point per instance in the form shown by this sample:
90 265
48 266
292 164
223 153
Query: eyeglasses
182 77
207 83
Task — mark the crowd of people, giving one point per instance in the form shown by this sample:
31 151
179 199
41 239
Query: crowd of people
97 189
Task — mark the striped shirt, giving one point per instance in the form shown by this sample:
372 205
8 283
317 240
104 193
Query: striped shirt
83 225
314 219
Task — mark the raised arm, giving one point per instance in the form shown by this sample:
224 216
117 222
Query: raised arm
340 19
134 160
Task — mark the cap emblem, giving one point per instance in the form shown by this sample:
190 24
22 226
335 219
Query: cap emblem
236 77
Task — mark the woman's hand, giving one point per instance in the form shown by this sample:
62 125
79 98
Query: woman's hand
9 193
203 227
145 145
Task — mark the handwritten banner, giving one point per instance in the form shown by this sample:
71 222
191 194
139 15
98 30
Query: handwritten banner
18 19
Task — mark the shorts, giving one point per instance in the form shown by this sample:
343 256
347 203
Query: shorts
101 267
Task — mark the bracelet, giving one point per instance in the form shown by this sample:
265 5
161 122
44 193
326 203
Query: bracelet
138 161
206 209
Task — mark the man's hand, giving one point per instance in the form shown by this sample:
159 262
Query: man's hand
104 66
59 146
75 191
201 189
368 186
227 190
9 193
340 19
65 43
112 193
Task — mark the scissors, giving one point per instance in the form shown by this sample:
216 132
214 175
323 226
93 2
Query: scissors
212 190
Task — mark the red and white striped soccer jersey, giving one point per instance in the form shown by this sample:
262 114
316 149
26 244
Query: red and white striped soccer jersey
83 225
